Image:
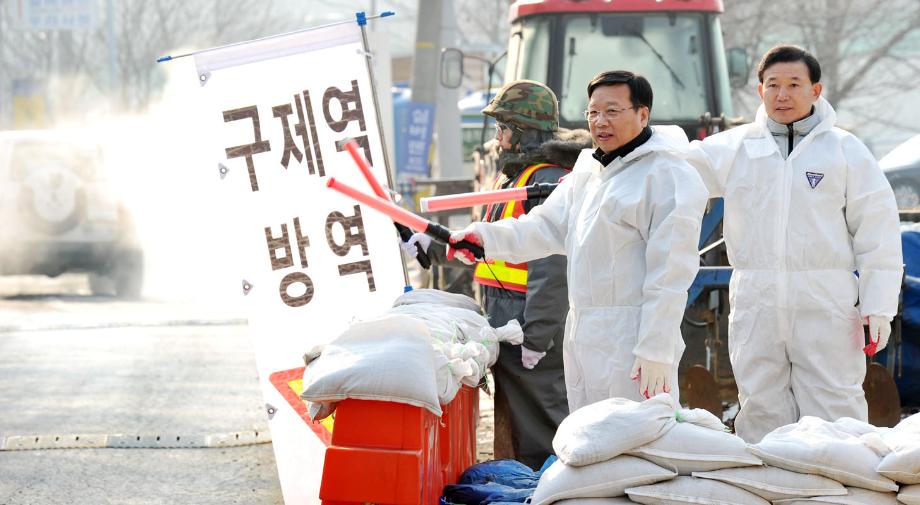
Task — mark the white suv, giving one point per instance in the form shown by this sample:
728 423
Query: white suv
58 213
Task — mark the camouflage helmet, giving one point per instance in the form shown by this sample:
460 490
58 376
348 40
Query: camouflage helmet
526 105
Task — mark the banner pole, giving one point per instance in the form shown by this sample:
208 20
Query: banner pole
361 19
163 59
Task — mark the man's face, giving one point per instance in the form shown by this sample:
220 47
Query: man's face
617 121
503 136
787 91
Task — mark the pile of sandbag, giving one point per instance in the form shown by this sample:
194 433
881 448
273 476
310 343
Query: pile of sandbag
620 447
418 352
654 452
877 465
902 463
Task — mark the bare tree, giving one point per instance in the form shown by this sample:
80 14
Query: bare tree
483 27
867 48
75 64
483 22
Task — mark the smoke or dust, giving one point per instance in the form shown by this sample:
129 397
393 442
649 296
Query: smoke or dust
163 167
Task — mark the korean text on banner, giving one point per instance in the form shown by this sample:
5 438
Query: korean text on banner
310 260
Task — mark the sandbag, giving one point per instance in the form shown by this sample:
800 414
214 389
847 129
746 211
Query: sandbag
464 338
606 479
608 428
771 483
854 496
387 358
700 417
448 324
691 447
465 344
847 451
910 495
903 463
438 297
692 490
619 500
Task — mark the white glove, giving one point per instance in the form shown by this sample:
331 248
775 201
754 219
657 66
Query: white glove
879 331
530 358
423 239
408 247
653 377
463 255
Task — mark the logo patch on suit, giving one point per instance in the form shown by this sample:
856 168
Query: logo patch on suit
814 178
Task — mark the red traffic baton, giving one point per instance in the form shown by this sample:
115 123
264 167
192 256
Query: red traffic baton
463 200
404 217
404 233
352 147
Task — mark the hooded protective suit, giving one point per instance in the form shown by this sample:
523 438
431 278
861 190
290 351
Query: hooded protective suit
796 229
533 402
630 232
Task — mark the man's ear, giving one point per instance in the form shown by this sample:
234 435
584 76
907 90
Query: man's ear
643 116
816 89
760 90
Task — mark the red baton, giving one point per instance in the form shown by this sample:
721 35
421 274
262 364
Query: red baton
404 217
462 200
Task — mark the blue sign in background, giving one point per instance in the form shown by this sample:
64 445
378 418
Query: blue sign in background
412 151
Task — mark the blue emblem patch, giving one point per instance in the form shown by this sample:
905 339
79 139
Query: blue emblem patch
814 178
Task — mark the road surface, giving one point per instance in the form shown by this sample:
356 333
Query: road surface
76 365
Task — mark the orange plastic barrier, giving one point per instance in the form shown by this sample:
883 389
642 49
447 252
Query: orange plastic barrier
393 453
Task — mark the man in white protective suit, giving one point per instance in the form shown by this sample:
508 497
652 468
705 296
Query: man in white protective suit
628 219
806 206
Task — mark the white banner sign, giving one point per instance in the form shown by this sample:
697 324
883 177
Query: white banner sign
311 259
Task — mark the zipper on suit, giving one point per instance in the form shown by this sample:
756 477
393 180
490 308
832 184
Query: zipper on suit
791 136
782 287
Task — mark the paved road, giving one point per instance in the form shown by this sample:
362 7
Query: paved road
74 364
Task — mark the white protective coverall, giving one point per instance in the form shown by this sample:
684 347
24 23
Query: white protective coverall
796 229
630 231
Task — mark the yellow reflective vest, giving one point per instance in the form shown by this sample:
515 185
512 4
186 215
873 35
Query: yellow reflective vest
498 273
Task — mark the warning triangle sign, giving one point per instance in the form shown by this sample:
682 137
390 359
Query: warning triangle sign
290 384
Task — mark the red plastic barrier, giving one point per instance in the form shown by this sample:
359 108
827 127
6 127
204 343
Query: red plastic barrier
459 423
393 453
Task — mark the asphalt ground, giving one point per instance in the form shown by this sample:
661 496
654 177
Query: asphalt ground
73 365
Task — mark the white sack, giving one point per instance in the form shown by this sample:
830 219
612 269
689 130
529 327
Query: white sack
844 450
701 447
453 325
903 463
388 359
465 344
854 496
619 500
910 495
439 297
601 480
700 417
457 364
692 490
771 483
608 428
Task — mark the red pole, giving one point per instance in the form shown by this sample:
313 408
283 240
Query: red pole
463 200
352 148
403 216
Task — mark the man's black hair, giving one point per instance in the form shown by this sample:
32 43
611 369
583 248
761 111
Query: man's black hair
640 91
785 53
